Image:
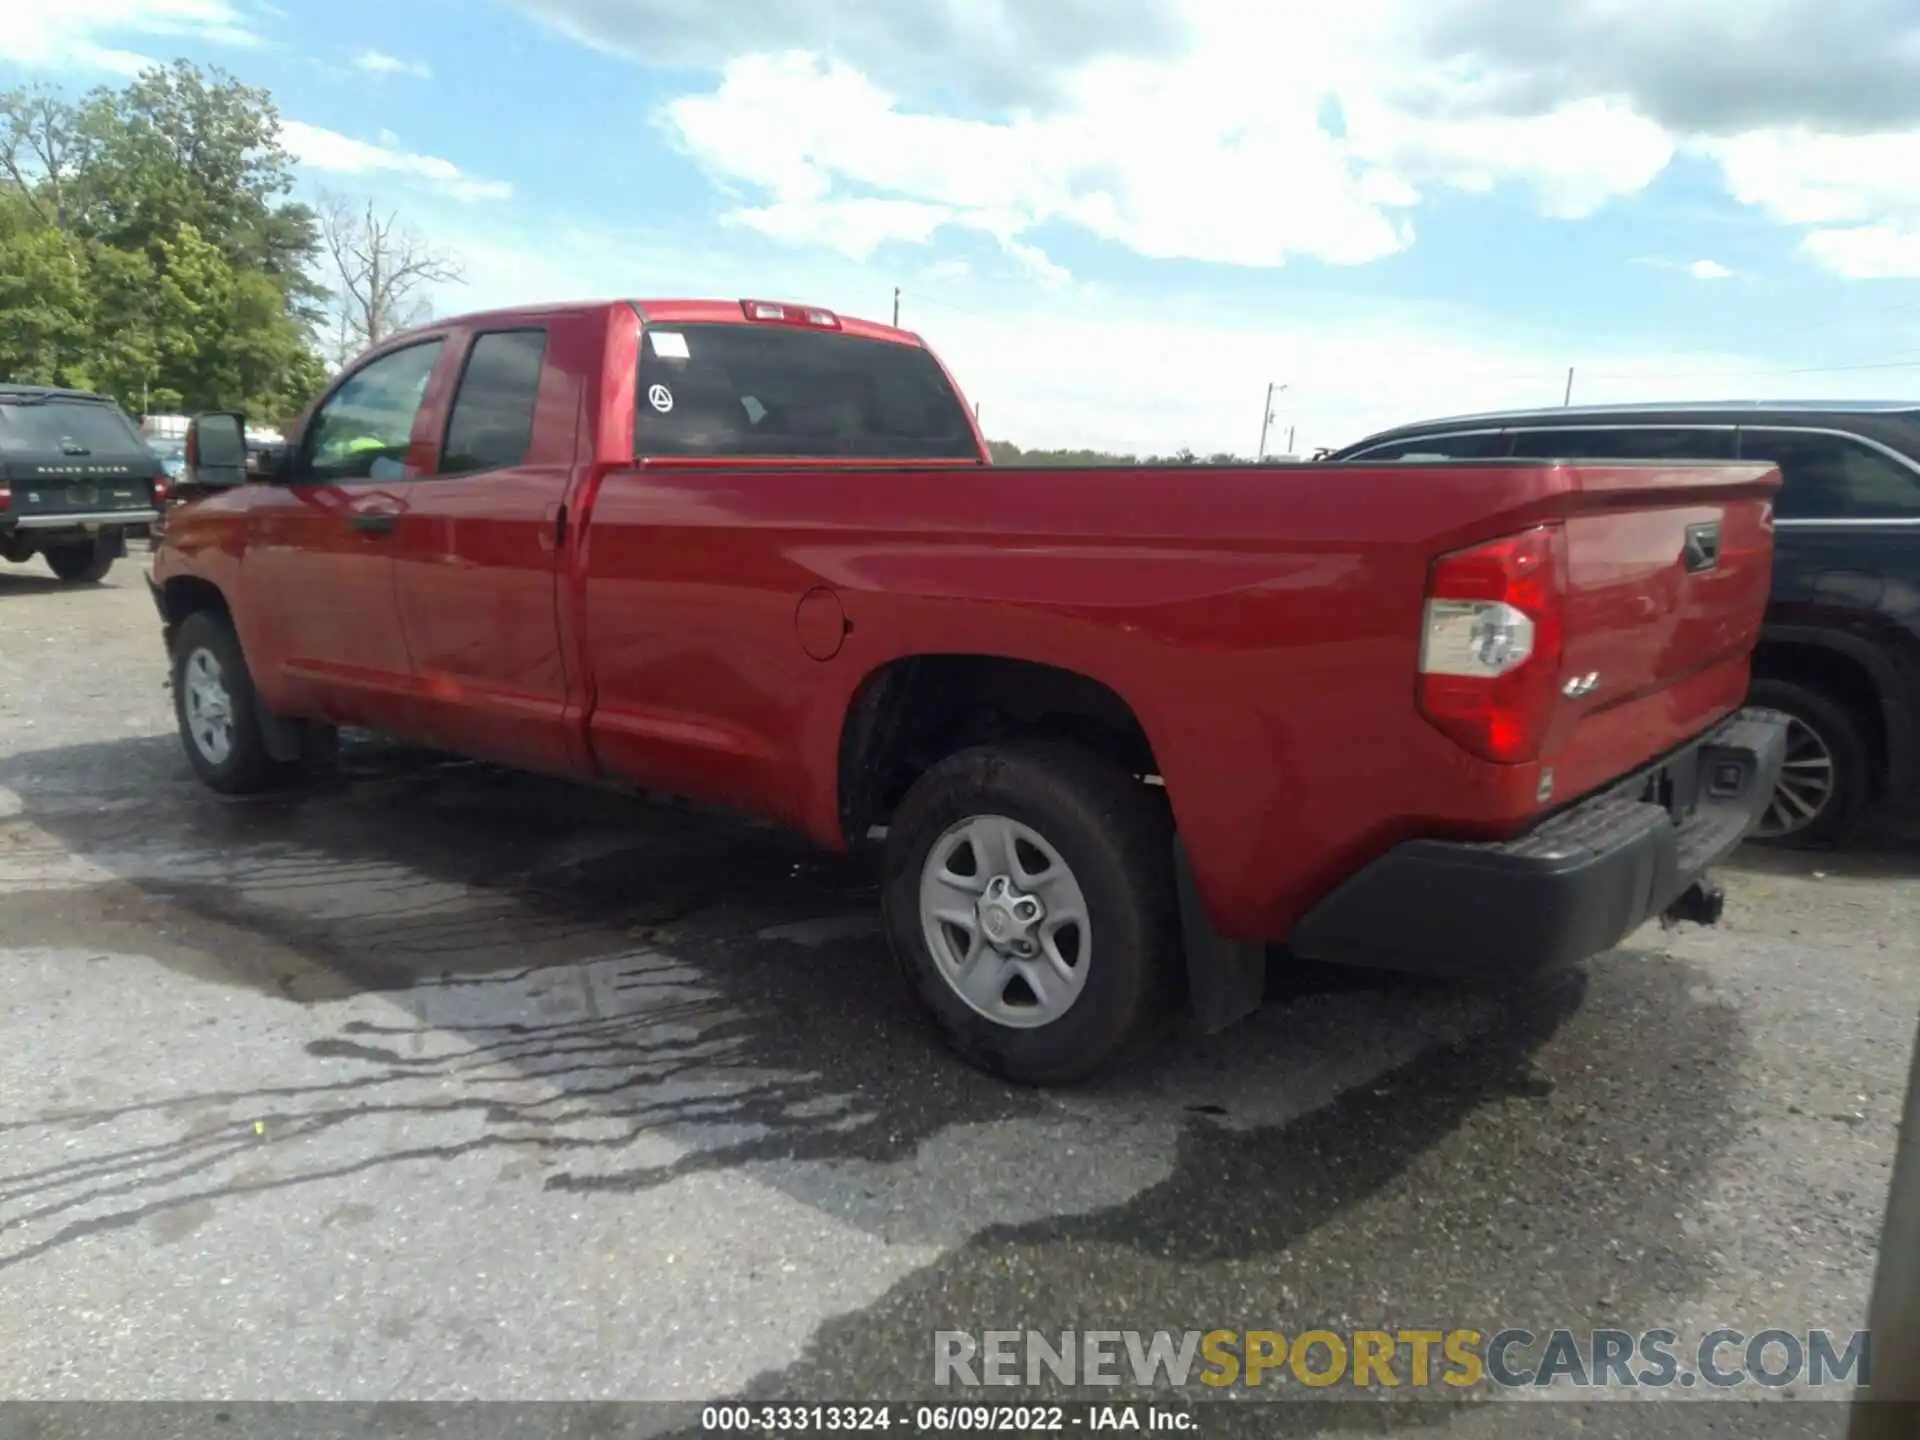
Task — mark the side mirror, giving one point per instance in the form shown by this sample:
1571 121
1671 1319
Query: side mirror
216 450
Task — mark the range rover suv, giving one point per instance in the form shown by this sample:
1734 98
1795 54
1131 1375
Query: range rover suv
76 479
1840 651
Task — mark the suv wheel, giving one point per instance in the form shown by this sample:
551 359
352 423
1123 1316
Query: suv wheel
1029 900
1827 777
86 563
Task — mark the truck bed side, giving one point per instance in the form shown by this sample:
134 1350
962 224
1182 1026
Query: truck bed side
1262 625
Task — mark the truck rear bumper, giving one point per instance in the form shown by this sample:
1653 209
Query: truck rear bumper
1574 887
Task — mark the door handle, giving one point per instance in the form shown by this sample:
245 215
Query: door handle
375 523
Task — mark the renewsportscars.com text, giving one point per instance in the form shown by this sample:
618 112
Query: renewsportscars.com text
1418 1359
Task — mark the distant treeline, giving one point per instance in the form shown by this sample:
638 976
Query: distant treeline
1005 452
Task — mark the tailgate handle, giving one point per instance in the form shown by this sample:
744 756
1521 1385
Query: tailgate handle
1703 546
375 523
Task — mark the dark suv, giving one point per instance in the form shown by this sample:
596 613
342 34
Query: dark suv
1840 651
76 479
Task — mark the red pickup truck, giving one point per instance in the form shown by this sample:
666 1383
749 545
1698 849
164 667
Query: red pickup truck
1123 728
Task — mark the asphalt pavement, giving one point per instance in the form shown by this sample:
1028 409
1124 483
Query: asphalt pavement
436 1082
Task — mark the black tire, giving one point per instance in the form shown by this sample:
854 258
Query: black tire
83 564
245 768
1115 838
1818 723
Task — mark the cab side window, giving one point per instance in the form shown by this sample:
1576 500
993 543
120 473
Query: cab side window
363 429
492 421
1833 477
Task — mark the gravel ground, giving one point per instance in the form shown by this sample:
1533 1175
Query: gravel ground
433 1082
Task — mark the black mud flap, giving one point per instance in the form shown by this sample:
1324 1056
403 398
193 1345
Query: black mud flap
1226 979
282 738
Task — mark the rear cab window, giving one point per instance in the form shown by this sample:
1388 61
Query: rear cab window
764 391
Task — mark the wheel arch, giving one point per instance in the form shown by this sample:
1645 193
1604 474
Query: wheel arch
913 711
185 595
1853 672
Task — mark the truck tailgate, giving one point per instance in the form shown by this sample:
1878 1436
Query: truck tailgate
1668 570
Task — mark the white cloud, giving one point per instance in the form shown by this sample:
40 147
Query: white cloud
1807 178
1222 153
78 34
1004 54
328 150
1709 270
1293 129
378 62
1867 252
1858 196
1066 368
856 228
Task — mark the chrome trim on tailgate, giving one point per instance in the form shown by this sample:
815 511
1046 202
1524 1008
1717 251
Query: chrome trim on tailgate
92 517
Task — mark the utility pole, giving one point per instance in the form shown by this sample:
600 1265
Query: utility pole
1567 399
896 307
1266 416
1289 439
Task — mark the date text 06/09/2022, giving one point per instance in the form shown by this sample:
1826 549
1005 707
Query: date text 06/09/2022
944 1419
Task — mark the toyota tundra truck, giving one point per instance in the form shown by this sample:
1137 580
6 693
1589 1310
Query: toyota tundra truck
1119 731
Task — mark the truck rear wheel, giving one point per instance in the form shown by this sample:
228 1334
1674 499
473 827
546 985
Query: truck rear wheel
84 563
214 703
1029 900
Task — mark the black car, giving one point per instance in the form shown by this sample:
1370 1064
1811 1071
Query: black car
1840 650
76 479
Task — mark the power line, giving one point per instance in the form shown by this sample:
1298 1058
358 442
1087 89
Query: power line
922 298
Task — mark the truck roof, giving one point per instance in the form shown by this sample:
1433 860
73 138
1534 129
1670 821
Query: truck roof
673 311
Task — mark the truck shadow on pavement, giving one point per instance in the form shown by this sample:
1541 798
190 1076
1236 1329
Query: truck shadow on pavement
610 995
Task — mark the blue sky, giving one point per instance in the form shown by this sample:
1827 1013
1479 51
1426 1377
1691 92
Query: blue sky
1119 220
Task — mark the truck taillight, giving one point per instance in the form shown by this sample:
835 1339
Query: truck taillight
1490 643
160 490
770 313
6 496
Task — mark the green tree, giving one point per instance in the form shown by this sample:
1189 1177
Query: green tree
147 247
46 313
182 147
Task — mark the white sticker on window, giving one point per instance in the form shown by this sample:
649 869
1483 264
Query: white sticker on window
660 398
668 344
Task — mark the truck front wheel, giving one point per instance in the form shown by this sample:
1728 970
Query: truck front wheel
1029 899
214 703
82 563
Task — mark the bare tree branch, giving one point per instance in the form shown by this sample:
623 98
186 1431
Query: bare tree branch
381 267
38 139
